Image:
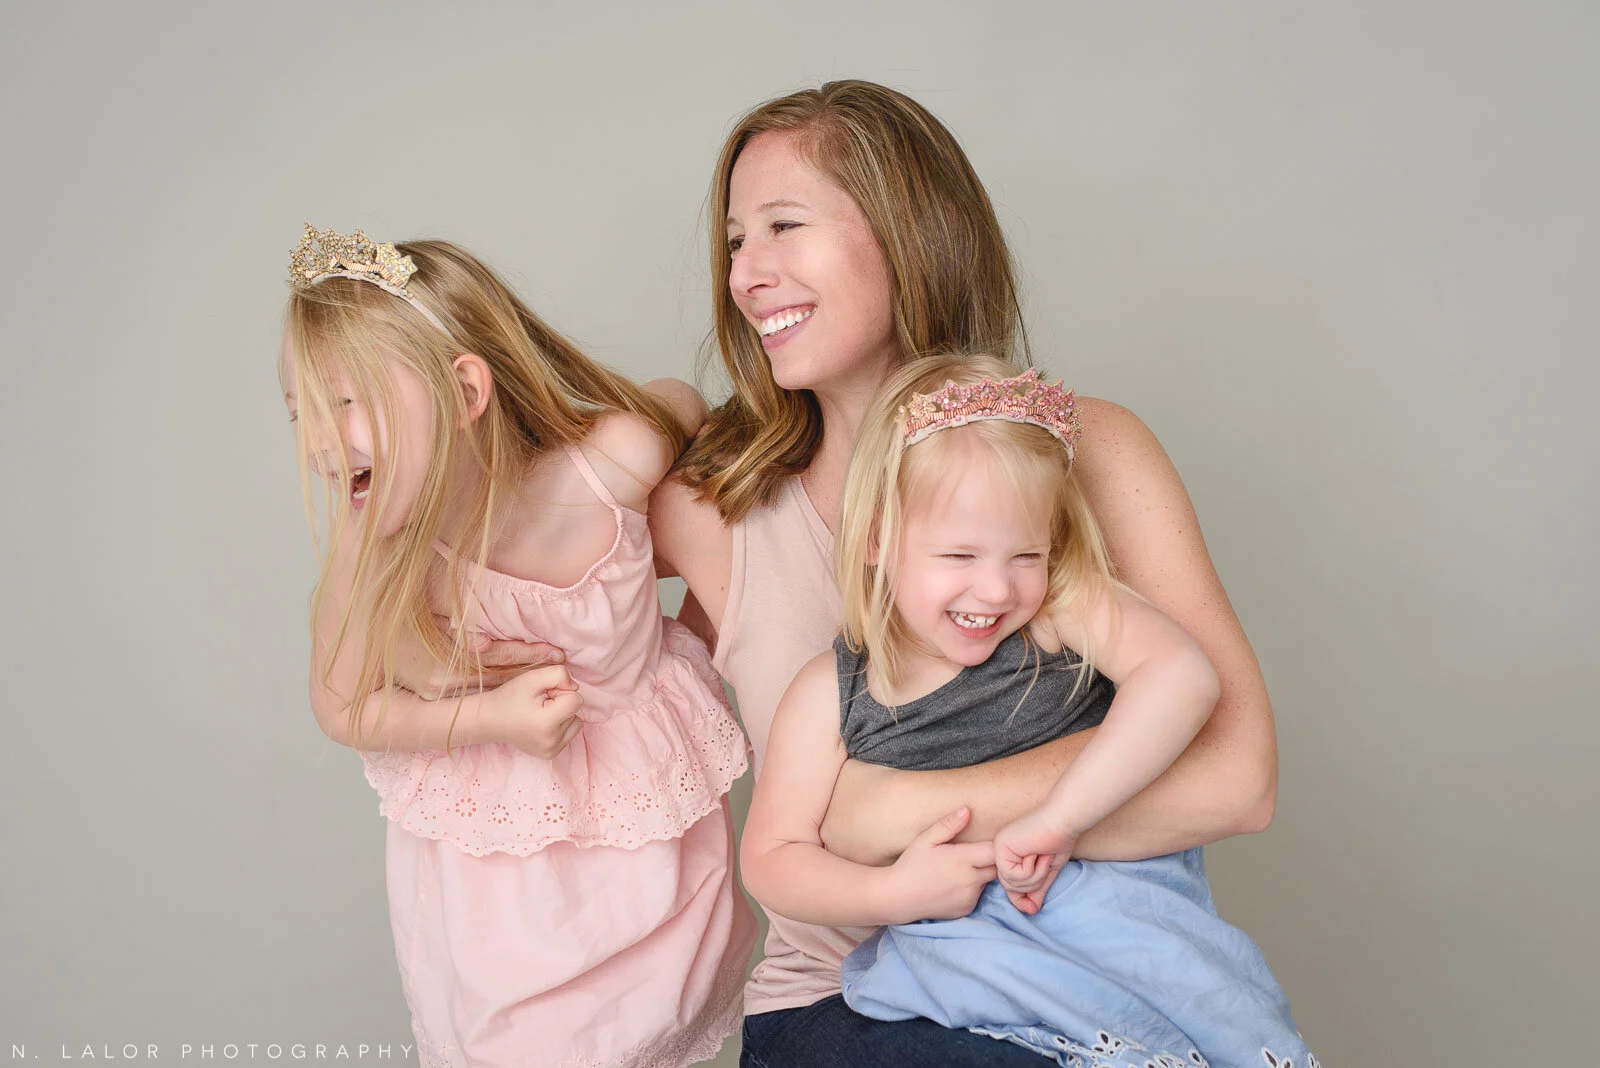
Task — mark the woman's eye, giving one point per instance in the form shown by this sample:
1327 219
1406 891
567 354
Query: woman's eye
780 227
733 244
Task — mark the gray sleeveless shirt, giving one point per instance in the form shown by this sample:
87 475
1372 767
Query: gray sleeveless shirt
976 716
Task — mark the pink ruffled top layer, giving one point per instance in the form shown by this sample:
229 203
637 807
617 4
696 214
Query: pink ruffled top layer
659 746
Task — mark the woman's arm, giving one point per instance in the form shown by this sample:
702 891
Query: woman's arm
692 543
781 856
536 711
1225 782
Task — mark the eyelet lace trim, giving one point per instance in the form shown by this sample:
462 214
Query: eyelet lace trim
1118 1051
646 774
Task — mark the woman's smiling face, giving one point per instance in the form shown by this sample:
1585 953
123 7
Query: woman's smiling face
807 271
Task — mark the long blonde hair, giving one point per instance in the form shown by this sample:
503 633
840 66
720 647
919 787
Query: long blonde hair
955 283
887 480
344 339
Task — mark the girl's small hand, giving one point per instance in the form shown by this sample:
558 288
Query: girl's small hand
940 879
1029 853
537 711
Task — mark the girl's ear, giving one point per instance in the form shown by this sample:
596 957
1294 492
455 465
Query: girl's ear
476 384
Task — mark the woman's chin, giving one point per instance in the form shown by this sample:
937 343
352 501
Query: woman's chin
790 373
796 371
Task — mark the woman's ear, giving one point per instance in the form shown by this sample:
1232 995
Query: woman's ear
476 384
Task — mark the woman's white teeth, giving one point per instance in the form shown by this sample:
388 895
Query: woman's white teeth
962 619
783 320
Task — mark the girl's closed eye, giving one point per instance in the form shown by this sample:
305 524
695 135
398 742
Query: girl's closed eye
342 402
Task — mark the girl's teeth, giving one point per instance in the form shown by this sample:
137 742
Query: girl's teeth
783 321
973 622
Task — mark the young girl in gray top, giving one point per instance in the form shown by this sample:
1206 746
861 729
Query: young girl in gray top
978 602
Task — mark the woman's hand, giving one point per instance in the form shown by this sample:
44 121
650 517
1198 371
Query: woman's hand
939 879
1029 853
419 672
537 711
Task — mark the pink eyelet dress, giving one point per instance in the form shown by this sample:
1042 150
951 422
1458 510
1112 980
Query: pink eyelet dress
579 912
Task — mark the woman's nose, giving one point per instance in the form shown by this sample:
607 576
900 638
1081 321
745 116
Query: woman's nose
752 268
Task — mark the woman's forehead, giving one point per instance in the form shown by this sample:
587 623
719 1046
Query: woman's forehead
772 174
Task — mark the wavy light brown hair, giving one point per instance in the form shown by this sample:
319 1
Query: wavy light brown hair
344 339
955 283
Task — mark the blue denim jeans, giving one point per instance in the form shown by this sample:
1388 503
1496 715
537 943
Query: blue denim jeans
827 1034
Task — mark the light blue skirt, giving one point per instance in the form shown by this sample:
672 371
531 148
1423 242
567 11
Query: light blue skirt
1127 964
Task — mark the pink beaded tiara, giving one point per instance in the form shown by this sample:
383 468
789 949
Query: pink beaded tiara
1023 399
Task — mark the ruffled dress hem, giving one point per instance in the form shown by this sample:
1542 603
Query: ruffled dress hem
646 774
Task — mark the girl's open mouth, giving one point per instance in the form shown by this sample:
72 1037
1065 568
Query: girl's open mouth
974 626
360 486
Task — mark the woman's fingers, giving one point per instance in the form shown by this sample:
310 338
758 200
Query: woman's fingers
517 654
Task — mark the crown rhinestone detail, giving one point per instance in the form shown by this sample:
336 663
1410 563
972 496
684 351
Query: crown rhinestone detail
1023 399
330 254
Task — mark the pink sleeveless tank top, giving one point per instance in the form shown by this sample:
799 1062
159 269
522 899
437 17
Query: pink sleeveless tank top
783 609
659 746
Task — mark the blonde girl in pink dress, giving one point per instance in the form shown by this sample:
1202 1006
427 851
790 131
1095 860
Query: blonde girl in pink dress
559 849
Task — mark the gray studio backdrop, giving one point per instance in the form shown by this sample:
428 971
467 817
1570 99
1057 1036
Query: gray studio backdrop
1341 257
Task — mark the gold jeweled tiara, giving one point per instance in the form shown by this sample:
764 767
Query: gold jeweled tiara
1023 399
329 254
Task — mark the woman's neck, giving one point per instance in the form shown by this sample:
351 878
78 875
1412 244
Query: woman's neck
844 406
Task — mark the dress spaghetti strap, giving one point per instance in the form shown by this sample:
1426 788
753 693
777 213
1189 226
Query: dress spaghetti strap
582 464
